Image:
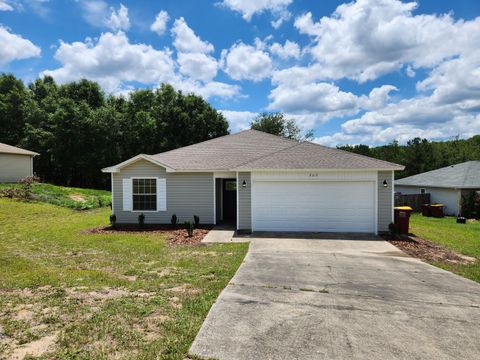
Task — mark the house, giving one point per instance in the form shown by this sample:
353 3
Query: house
446 185
15 163
260 182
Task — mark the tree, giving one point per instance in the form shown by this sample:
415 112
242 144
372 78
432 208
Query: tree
13 97
278 124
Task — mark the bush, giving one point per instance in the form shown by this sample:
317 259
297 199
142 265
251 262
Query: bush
141 220
189 227
24 192
394 230
113 220
174 220
196 219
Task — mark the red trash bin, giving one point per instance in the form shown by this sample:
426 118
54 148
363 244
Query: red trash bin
426 210
402 218
437 210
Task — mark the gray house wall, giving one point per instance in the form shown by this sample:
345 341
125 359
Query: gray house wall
451 198
188 194
244 201
384 199
14 167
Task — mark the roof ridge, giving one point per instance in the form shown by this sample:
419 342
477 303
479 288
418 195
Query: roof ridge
297 143
273 135
352 153
201 142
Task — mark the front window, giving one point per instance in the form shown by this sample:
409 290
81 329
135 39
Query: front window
145 194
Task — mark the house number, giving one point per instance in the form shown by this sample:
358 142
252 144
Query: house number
313 175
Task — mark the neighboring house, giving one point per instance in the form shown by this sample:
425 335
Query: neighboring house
260 182
445 185
15 163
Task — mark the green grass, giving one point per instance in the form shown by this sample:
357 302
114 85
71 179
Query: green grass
126 295
70 197
462 238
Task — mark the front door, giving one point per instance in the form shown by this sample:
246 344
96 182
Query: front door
229 200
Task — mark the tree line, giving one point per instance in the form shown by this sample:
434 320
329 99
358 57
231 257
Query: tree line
421 155
78 129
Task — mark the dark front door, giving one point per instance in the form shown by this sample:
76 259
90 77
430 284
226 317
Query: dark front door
229 200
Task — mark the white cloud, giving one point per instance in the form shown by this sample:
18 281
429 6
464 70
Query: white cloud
239 120
98 14
245 62
185 39
160 24
211 89
288 50
197 66
112 61
248 8
5 6
15 47
383 35
118 20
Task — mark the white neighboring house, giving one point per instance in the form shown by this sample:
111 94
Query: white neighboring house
15 163
445 185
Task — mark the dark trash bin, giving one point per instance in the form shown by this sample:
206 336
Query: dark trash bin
461 220
437 210
402 218
426 210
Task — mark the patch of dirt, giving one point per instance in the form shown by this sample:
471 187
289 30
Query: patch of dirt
429 251
35 348
175 235
77 197
106 294
183 289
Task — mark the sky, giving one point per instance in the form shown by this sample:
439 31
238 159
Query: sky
365 71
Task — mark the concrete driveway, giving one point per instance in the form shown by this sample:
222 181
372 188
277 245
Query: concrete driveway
340 299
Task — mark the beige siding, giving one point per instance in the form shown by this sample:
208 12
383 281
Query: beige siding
188 194
384 199
14 167
244 201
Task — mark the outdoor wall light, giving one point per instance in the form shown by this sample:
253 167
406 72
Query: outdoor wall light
244 184
385 184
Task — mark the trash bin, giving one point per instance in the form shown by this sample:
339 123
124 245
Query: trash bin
437 210
426 210
402 218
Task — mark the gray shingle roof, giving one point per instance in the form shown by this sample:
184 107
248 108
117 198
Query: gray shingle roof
225 152
461 176
9 149
253 149
308 155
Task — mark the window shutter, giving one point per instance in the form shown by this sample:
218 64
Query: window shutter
161 194
127 194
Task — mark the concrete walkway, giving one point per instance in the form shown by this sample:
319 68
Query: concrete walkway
223 234
340 299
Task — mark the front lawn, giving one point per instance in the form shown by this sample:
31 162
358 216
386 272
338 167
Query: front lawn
70 197
462 238
66 293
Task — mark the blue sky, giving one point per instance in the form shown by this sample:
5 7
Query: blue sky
366 71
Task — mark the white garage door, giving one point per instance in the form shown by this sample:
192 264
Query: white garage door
322 206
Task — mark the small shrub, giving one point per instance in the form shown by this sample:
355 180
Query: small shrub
113 220
189 227
26 183
196 219
141 220
174 220
394 230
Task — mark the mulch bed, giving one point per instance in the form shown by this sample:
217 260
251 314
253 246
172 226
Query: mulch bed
175 235
427 250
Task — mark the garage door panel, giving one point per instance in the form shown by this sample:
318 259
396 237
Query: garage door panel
313 206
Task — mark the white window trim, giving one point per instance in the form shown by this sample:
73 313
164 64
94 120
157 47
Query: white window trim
156 195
